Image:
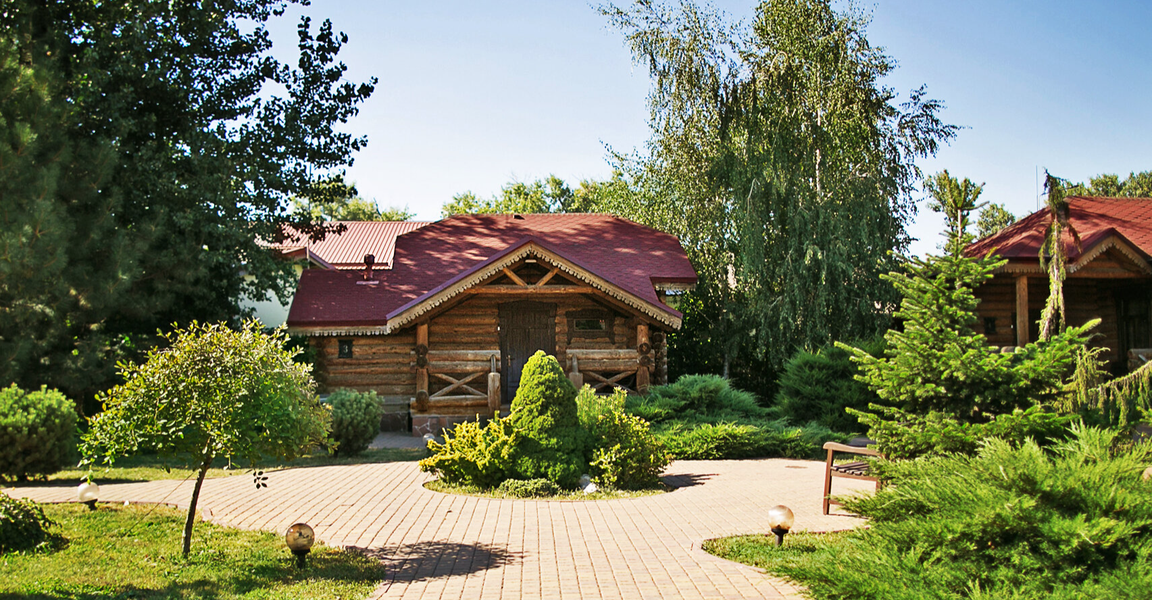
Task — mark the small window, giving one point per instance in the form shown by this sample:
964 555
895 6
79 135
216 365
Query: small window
590 324
345 350
989 325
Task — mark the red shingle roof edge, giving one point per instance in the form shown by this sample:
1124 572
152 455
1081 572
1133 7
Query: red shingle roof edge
1095 220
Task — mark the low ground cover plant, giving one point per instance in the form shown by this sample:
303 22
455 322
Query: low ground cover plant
1012 521
134 552
355 420
37 432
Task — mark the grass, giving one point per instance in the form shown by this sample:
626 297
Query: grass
603 494
150 468
799 550
134 552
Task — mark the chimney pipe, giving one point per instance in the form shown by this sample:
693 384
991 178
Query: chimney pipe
369 260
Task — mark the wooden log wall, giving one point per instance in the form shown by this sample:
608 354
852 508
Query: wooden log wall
461 342
379 363
1084 299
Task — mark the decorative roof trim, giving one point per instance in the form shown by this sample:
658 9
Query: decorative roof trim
1118 242
340 331
413 310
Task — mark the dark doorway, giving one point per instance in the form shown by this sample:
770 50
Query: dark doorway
525 327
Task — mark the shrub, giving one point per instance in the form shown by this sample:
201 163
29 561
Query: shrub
590 405
355 420
902 435
474 455
37 432
712 441
528 488
22 524
696 396
627 456
553 445
1010 522
816 387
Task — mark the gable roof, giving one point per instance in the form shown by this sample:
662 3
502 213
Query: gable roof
621 258
1102 223
346 250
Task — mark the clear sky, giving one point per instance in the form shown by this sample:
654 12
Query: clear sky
474 94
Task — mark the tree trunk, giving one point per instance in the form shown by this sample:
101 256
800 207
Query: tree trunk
187 542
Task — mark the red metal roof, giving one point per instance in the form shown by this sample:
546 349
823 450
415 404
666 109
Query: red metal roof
346 250
1095 219
627 255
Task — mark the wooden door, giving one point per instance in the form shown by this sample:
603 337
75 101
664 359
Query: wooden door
525 327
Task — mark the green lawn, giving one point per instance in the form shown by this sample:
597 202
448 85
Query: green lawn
148 468
134 552
761 551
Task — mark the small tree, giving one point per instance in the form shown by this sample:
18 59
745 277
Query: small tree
213 392
938 363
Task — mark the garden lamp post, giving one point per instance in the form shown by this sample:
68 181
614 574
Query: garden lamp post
780 519
88 493
299 538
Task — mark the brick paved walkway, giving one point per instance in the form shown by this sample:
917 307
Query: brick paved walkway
458 547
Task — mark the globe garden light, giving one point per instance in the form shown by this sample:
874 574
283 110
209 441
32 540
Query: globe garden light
780 519
300 538
88 493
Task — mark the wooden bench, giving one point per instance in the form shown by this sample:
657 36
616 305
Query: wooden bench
852 470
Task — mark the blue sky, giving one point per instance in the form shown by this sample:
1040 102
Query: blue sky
474 94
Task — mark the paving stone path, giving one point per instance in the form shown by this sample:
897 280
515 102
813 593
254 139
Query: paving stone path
440 546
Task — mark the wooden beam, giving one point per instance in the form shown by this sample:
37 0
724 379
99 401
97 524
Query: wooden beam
514 277
493 393
1022 325
457 384
548 276
643 347
422 373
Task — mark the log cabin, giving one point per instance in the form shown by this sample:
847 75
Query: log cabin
1109 276
447 327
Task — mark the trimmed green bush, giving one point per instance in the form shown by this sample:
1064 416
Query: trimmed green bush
1012 522
816 387
37 432
473 455
694 397
355 420
528 488
22 524
554 446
